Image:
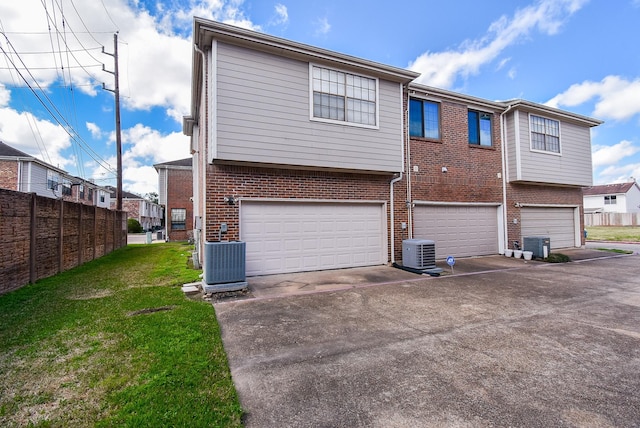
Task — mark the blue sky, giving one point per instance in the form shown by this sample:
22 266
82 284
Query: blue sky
577 55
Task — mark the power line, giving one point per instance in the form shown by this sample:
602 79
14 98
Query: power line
57 116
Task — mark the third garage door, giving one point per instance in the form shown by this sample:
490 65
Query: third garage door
458 230
306 236
556 223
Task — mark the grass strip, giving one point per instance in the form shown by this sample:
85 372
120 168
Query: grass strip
115 343
614 233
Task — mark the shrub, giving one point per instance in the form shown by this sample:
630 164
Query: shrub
134 226
557 258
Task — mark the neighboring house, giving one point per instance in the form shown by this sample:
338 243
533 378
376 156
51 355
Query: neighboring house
615 198
25 173
149 214
176 195
305 154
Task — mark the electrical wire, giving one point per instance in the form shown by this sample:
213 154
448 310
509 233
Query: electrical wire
53 110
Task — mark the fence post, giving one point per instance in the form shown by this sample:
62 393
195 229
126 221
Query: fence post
32 239
61 237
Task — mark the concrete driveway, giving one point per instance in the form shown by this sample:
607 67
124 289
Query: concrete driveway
527 345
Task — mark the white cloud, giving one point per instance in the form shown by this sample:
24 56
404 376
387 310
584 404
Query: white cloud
322 26
617 98
95 130
5 96
610 155
618 174
155 71
39 138
282 15
441 69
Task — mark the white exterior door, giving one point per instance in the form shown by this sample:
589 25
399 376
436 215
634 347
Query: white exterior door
458 230
306 236
556 223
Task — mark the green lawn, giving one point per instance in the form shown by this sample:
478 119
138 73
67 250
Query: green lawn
614 233
115 343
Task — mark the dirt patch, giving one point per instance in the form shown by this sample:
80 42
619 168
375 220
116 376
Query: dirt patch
91 294
150 310
228 295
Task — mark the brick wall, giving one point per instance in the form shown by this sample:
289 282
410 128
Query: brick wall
55 237
8 175
179 193
533 194
254 182
472 171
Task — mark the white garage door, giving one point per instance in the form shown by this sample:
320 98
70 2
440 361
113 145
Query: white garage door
556 223
459 231
299 236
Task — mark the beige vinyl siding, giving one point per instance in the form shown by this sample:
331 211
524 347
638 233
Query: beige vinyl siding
512 159
571 167
262 104
162 178
39 181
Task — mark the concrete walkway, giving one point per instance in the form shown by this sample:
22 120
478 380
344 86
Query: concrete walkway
523 345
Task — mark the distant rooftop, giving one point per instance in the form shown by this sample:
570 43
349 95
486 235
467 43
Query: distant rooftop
608 189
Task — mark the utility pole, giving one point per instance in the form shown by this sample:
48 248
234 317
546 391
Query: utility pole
116 92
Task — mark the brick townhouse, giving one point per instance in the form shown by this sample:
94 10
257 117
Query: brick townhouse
320 160
22 172
175 194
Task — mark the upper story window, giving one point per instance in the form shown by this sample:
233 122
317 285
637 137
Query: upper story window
610 200
545 134
424 119
90 194
178 219
66 187
344 97
479 128
52 180
81 191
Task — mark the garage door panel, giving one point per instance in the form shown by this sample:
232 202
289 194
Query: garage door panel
558 223
459 231
297 236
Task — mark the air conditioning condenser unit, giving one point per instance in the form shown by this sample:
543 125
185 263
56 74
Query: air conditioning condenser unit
224 266
419 253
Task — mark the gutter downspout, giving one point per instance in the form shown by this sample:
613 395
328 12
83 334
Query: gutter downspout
391 207
391 196
199 245
408 167
503 147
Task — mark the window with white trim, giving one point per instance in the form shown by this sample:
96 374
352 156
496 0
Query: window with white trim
610 200
344 97
545 134
52 180
178 219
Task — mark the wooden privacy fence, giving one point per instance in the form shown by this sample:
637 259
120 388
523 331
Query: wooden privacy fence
40 237
612 219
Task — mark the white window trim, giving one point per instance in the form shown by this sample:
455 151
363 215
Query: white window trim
343 122
531 132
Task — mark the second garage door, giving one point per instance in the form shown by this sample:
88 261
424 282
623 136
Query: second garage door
458 230
306 236
557 223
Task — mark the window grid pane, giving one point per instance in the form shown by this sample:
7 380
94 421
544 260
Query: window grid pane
545 134
431 120
333 90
